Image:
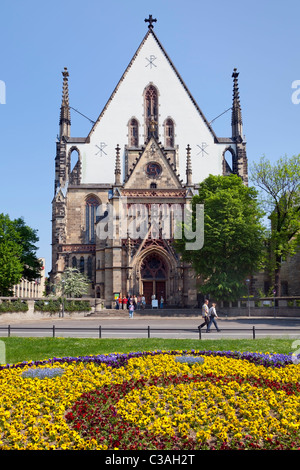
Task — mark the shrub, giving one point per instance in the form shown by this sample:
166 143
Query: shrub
13 306
52 306
77 306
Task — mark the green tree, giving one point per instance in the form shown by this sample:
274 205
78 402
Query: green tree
73 283
17 253
28 238
11 267
233 237
279 186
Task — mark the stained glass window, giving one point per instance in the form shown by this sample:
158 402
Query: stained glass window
153 267
90 214
151 111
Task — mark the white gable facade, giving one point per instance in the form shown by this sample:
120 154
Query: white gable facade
150 101
151 65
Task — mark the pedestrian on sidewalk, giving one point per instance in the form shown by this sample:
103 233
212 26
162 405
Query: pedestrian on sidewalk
131 309
205 312
212 318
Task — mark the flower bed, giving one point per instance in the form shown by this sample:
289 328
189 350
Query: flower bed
155 400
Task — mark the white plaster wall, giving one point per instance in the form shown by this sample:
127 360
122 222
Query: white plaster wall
128 102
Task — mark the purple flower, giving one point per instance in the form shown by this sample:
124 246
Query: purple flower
120 360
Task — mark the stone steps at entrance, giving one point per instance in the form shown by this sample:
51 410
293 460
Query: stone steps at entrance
147 312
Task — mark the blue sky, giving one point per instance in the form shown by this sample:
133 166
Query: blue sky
96 40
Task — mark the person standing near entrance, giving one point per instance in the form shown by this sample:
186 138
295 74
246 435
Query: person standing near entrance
124 302
212 318
205 313
161 302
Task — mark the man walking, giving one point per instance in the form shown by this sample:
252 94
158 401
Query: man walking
205 311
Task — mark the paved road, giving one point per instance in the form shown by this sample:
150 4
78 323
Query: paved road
162 327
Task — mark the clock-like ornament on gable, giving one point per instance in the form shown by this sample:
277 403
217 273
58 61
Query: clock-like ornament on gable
153 170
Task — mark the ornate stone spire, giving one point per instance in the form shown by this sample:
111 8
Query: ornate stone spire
65 118
188 166
118 167
236 118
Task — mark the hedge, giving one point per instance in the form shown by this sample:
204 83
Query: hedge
54 306
13 306
51 306
77 306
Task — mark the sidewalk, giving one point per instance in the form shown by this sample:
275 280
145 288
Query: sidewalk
186 313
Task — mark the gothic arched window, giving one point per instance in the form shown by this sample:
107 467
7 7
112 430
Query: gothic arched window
91 206
73 158
81 265
228 161
74 166
90 267
153 267
74 262
133 133
151 111
169 133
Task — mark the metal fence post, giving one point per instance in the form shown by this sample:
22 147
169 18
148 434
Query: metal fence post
53 331
253 329
199 329
8 331
100 332
148 331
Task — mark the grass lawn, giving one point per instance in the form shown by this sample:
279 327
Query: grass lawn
26 349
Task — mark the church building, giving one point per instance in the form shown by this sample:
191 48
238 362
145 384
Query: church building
149 149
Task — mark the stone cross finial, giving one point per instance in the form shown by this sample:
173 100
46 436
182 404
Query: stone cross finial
150 20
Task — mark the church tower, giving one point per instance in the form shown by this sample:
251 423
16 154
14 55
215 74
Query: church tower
115 212
61 178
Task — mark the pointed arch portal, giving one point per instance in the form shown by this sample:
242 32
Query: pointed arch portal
154 274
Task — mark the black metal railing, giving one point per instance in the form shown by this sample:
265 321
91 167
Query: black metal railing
149 331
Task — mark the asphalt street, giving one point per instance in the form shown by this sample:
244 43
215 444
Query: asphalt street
149 326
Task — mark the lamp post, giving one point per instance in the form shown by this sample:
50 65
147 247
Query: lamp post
248 287
274 293
63 298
